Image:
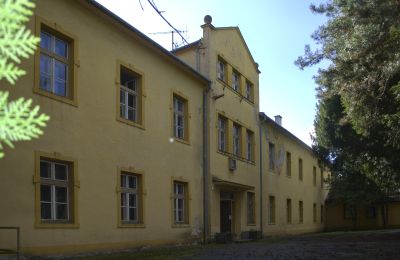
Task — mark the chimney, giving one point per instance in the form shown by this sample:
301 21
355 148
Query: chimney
278 119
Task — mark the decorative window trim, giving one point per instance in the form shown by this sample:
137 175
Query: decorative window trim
141 198
140 94
186 114
73 64
73 190
187 202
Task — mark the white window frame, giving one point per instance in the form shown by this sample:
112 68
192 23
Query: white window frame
248 90
53 58
221 70
236 139
124 107
236 81
53 183
179 115
125 192
249 145
179 197
222 124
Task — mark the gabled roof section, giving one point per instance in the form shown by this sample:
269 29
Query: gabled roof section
187 46
236 28
148 40
283 130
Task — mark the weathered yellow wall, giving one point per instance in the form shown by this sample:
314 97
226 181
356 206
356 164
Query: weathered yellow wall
91 134
277 183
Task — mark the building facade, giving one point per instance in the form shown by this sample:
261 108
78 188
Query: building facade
145 146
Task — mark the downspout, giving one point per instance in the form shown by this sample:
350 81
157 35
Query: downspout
206 167
261 178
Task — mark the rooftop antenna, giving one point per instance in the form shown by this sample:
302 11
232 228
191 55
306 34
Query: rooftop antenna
173 44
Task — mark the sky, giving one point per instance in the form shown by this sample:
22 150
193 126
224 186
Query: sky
275 31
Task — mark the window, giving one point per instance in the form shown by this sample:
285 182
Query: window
130 198
322 214
180 203
236 81
300 169
129 94
288 210
249 90
288 164
349 212
236 139
322 179
180 118
222 134
371 212
221 70
271 210
251 209
271 156
249 145
315 176
301 211
315 213
55 69
56 191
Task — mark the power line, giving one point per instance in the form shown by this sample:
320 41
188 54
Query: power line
151 2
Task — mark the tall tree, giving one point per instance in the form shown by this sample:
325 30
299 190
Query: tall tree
358 112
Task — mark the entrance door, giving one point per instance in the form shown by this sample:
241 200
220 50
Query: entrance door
226 216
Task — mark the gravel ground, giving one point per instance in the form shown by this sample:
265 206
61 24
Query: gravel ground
379 244
337 245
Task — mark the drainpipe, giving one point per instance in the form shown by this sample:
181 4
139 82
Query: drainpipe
261 178
206 166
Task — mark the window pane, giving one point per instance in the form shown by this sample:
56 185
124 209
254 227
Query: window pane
61 194
45 170
60 71
123 199
132 200
122 112
45 64
60 88
123 181
45 82
132 214
61 211
131 114
132 182
123 213
45 193
60 171
61 48
122 94
131 100
45 41
45 210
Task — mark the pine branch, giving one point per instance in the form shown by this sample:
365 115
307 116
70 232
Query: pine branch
19 121
10 71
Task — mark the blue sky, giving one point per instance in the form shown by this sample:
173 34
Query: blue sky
274 30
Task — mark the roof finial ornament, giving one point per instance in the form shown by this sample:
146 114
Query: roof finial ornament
207 19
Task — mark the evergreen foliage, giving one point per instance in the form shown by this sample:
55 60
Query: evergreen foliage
18 120
358 113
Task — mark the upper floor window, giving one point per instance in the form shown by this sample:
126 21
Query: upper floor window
249 90
271 156
236 139
236 81
315 176
129 95
322 178
249 145
288 164
180 117
221 70
300 169
222 134
54 64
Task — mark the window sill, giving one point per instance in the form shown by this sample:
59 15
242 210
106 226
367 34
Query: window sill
183 141
131 225
57 225
131 123
72 102
236 157
183 225
225 85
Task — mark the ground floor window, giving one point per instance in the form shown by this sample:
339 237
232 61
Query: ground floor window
180 202
251 209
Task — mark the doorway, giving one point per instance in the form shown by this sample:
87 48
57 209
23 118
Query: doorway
226 208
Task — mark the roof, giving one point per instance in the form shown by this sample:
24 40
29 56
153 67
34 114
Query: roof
157 46
267 119
187 46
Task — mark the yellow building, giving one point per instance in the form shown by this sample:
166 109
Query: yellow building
146 146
